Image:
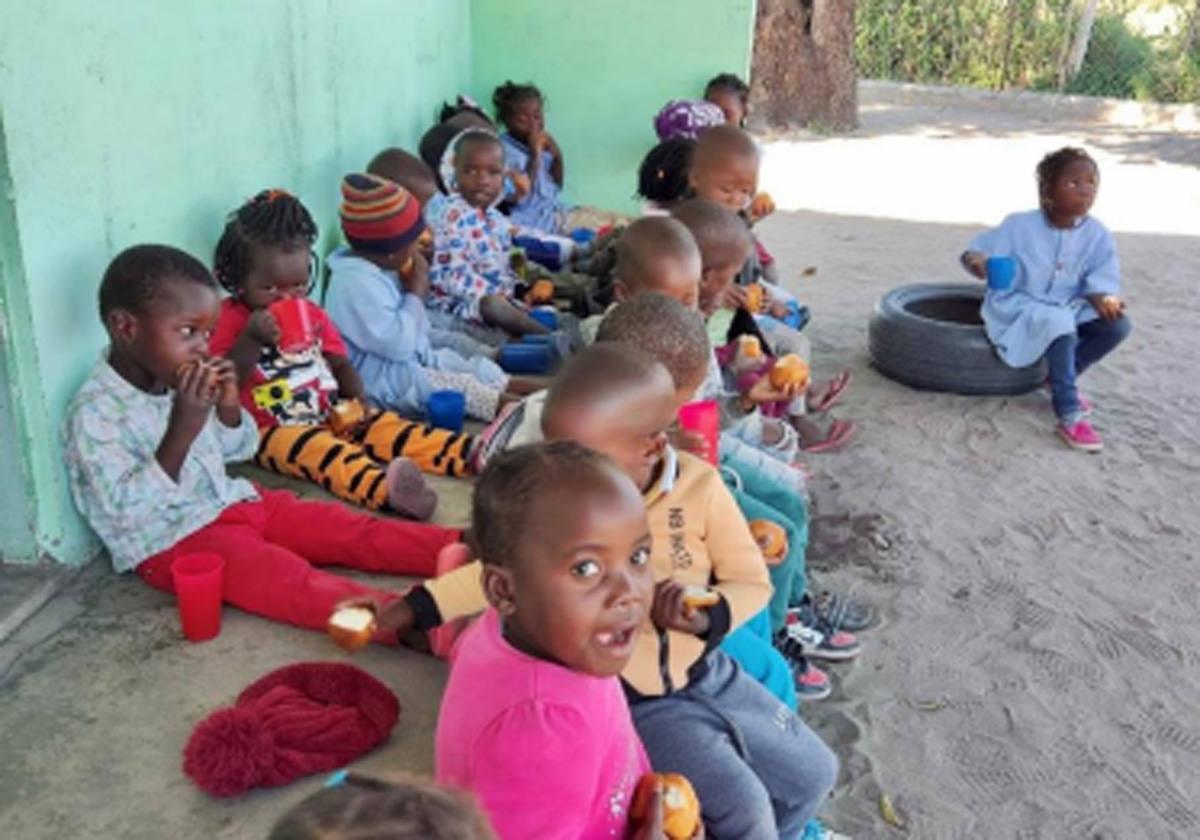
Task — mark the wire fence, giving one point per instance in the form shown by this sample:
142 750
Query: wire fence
1130 49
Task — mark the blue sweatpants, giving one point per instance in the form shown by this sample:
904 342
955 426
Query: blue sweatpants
758 770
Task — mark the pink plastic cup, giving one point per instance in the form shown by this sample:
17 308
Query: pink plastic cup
198 581
704 418
296 328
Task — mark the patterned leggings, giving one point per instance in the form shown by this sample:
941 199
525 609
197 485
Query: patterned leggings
354 469
482 401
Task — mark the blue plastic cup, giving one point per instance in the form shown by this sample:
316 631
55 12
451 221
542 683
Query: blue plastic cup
526 358
447 409
583 236
1001 271
538 338
546 316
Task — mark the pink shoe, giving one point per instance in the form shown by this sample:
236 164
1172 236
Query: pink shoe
443 639
1081 435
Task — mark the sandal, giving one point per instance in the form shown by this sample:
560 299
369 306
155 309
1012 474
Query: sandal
833 611
837 387
840 433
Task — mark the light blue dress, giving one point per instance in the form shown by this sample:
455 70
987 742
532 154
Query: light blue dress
542 209
387 332
1056 269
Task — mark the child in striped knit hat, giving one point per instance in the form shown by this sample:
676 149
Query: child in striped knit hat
377 286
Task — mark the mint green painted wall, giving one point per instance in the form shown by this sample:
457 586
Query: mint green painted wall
606 68
132 121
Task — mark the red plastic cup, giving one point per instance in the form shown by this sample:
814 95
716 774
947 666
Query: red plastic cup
198 582
703 417
296 327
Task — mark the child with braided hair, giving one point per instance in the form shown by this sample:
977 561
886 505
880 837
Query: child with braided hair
530 149
263 256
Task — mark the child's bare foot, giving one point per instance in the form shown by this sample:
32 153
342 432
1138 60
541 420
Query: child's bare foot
407 492
814 439
823 396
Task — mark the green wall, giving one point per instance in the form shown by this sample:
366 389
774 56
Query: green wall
147 121
606 68
132 121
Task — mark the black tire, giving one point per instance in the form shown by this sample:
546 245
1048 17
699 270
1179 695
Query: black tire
930 336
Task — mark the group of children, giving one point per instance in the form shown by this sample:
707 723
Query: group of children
624 598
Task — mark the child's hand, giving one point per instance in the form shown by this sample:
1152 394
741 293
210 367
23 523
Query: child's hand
1108 307
195 392
394 616
263 328
416 278
976 263
735 297
520 182
225 375
669 612
762 392
761 206
778 310
689 441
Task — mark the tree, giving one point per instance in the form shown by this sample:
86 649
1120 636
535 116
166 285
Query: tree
1079 46
803 71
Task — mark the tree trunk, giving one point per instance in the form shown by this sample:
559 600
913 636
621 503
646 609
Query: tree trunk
1083 36
803 72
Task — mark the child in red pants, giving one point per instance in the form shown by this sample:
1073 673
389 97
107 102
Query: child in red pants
147 439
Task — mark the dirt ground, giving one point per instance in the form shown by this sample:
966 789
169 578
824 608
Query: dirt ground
1036 673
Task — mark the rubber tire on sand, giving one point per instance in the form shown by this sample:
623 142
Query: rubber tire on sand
908 344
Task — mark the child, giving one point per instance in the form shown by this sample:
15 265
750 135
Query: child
472 278
1064 304
533 721
363 808
683 690
375 291
530 149
147 437
675 336
264 256
662 175
729 93
724 240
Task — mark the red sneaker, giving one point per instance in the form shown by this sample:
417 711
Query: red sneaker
1081 435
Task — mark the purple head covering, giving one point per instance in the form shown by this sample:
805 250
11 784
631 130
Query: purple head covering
686 118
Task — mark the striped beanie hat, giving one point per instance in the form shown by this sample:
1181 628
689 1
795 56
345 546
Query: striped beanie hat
378 216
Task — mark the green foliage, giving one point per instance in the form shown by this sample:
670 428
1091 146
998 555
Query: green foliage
1024 44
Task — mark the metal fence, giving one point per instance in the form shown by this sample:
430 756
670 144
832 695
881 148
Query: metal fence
1130 49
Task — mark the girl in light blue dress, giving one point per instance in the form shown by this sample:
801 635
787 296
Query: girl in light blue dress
1064 304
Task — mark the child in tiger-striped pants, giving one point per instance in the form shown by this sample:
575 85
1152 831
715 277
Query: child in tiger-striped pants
361 455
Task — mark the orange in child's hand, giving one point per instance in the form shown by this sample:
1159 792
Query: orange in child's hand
762 205
756 298
542 292
345 415
749 347
352 627
700 597
681 807
771 538
790 371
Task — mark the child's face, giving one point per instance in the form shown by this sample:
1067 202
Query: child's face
714 281
730 104
631 429
173 330
479 168
276 272
526 118
731 181
1074 190
581 586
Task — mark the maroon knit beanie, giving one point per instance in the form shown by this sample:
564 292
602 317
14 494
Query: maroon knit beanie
302 719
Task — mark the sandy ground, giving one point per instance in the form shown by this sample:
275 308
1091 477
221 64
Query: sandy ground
1036 672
